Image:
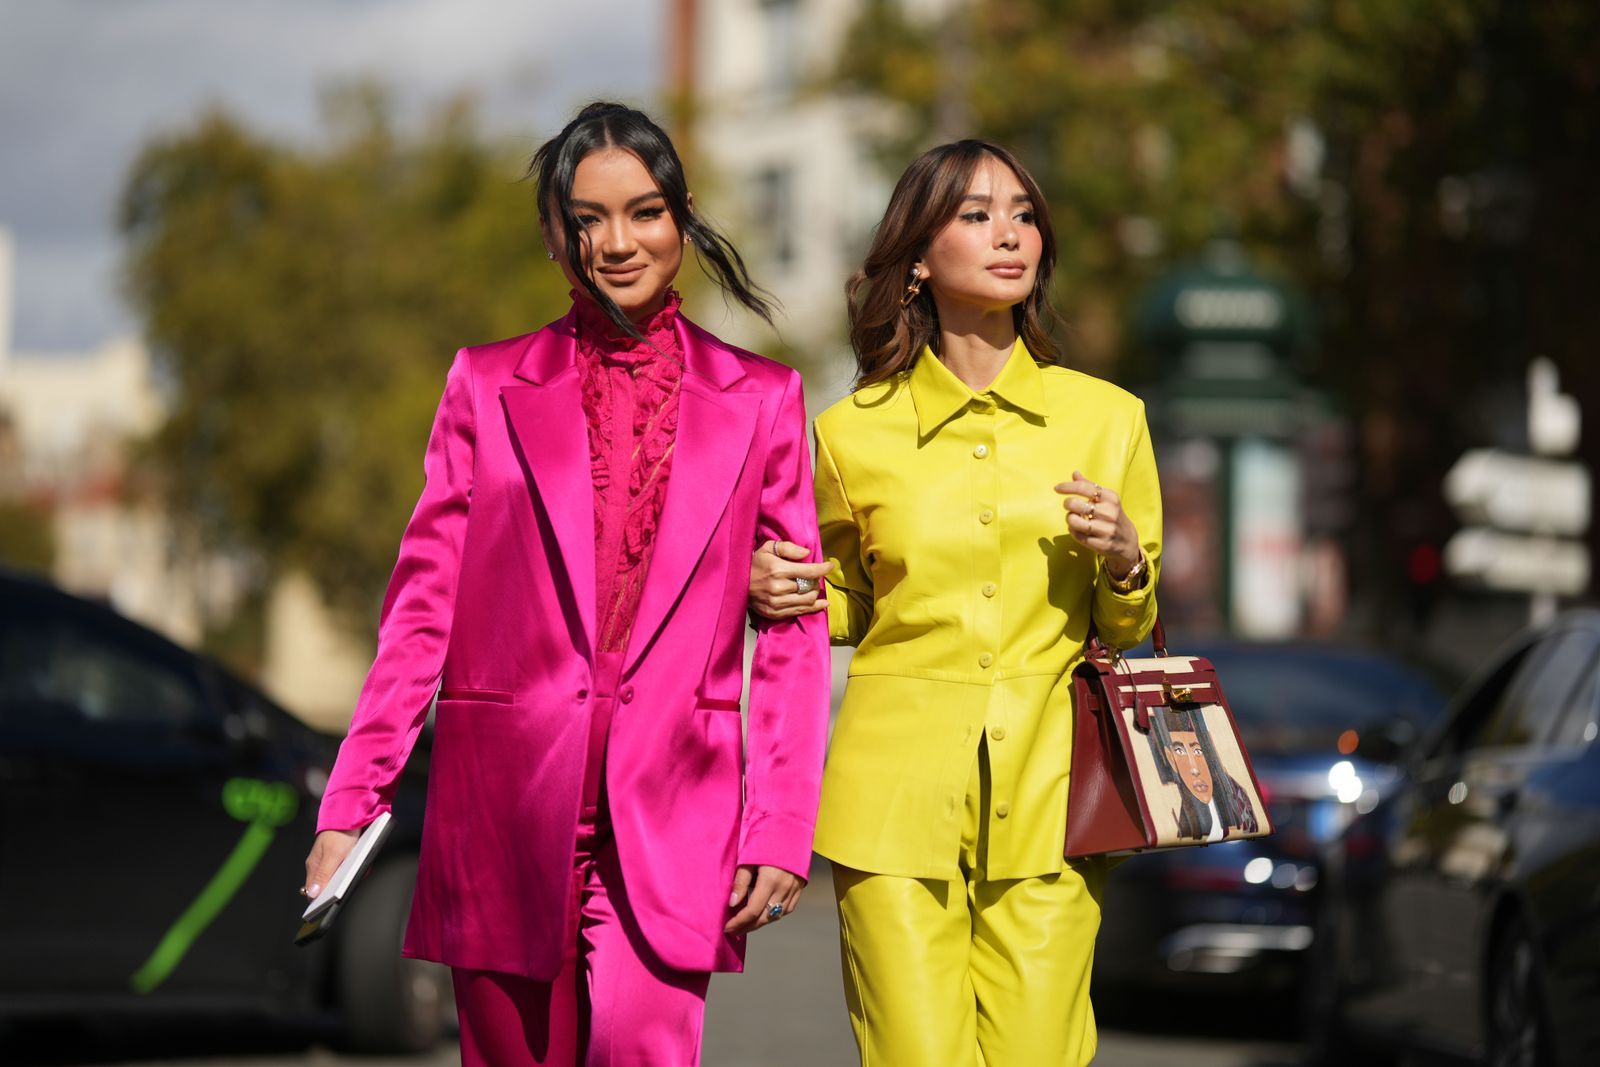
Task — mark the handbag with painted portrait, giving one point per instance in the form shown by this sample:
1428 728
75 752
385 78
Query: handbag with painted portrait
1157 760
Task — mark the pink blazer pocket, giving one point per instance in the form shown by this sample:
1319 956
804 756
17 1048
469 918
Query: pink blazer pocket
482 696
716 705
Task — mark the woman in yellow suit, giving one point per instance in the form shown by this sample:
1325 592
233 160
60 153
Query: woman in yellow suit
980 508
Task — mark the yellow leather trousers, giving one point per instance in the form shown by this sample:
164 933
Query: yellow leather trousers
973 971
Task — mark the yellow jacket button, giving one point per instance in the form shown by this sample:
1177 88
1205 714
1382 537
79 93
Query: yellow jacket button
981 451
1002 810
988 588
986 659
998 733
986 516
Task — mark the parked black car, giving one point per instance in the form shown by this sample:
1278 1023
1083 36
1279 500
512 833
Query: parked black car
1324 726
1464 912
155 814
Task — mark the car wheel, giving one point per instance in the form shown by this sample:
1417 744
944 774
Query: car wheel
1518 1036
389 1004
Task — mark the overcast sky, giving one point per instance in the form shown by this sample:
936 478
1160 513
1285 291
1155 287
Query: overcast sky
84 82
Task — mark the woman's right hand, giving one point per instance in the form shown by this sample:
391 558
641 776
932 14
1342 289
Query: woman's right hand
773 589
327 852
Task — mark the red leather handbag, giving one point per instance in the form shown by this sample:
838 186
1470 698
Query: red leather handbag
1157 760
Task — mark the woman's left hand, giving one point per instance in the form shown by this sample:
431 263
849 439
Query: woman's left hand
1096 520
773 886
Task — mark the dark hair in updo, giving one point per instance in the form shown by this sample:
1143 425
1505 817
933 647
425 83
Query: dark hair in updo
606 125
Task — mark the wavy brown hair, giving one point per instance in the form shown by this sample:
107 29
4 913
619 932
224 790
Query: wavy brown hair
886 334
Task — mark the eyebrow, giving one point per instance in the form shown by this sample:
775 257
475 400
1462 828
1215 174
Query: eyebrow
985 198
654 194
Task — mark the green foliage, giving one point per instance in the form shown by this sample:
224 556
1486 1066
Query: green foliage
1169 122
306 303
1153 121
1447 236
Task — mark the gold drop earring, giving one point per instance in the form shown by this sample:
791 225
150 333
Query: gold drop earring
914 289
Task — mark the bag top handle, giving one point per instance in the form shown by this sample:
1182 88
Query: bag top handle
1098 649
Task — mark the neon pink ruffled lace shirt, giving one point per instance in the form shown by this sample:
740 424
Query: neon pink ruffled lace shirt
630 401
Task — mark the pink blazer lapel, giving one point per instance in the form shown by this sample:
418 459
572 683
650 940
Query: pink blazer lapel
716 424
552 441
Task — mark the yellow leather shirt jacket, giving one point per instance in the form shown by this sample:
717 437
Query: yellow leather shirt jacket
969 603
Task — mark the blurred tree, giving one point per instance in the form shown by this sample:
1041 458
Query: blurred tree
1151 127
1422 167
305 304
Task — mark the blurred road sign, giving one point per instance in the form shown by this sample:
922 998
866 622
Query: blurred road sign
1539 500
1516 563
1554 418
1524 493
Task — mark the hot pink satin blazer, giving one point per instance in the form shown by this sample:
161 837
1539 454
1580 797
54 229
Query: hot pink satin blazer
492 606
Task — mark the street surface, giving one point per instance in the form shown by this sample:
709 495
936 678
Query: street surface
787 1011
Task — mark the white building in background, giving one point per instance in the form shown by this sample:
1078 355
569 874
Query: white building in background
72 417
798 183
72 420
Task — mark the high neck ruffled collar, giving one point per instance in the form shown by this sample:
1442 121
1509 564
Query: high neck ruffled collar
599 336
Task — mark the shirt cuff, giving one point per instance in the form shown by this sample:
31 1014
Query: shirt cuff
1124 619
780 841
349 809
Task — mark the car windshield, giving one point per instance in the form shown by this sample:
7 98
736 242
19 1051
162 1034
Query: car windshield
1300 699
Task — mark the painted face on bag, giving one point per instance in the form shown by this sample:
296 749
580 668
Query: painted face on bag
1188 760
987 256
629 240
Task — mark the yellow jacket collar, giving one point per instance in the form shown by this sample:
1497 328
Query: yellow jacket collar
939 395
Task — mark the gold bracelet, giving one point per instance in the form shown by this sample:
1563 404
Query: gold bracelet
1130 581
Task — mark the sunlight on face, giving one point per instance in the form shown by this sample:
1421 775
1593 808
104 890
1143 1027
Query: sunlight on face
629 240
988 255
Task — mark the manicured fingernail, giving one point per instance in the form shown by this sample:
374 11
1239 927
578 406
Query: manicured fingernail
314 890
733 898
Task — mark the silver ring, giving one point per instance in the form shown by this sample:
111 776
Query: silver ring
802 586
774 912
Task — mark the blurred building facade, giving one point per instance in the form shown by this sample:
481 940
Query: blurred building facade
70 419
800 184
70 425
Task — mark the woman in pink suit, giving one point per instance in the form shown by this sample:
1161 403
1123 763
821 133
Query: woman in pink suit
599 837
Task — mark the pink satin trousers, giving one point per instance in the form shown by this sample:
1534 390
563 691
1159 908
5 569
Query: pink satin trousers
614 1004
